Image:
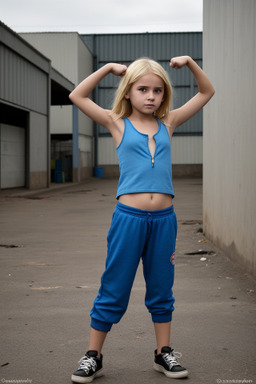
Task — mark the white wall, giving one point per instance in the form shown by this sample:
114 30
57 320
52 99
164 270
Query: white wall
229 156
61 119
12 156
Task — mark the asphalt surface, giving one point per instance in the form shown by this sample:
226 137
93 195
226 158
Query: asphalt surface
52 253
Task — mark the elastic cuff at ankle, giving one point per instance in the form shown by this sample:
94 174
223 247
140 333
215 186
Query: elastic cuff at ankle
101 325
162 318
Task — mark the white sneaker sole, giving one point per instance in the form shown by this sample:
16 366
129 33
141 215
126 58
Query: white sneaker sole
172 375
80 379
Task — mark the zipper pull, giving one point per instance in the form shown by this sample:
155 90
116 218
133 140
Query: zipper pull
153 162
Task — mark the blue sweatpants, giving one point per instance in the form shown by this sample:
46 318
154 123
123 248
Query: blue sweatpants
136 234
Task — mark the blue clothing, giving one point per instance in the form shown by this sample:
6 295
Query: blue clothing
139 171
137 234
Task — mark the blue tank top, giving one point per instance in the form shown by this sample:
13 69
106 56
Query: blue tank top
139 171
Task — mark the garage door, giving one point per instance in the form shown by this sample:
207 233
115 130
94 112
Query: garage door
12 160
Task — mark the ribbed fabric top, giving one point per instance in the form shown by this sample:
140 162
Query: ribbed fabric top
139 170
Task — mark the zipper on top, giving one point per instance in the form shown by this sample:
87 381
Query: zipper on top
153 152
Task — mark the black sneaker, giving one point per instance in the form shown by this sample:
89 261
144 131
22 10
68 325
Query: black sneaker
166 363
89 368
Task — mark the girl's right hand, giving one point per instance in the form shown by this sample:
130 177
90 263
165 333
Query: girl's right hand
118 69
179 62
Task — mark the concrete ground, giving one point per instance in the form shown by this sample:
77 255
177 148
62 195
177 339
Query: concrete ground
52 252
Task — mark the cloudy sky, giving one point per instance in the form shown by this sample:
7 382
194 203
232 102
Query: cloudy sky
99 16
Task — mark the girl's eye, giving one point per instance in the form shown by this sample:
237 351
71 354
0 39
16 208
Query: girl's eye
144 89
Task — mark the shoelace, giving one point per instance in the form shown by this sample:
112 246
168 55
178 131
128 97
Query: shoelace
170 358
87 363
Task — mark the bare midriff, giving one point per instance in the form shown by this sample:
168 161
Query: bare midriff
147 201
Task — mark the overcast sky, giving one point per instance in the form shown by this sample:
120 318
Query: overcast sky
99 16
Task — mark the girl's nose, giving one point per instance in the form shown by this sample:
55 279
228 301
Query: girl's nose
151 95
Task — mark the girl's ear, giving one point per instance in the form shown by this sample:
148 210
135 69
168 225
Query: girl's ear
127 96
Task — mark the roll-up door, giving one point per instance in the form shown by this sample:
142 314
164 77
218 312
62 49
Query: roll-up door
12 156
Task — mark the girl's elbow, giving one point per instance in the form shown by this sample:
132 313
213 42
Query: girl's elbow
211 93
212 90
71 96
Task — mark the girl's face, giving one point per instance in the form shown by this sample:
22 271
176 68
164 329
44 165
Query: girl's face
146 94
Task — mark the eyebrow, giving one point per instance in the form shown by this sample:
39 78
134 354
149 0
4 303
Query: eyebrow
147 86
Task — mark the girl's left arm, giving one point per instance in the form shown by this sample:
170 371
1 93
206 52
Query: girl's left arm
205 92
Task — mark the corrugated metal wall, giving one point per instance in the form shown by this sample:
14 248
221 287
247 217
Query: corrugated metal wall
21 80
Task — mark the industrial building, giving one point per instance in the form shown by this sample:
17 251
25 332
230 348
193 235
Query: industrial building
72 136
29 85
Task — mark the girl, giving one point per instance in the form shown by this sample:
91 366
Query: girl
144 222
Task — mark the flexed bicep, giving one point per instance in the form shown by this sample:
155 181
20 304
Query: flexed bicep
205 92
80 95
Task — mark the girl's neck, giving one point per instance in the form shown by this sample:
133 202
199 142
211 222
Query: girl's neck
142 118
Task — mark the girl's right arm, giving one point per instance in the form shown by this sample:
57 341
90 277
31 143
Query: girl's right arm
205 92
80 95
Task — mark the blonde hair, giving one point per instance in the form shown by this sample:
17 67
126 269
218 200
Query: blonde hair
140 67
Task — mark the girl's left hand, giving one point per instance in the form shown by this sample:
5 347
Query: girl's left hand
118 69
179 62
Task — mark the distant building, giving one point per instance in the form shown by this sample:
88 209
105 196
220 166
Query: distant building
29 85
72 136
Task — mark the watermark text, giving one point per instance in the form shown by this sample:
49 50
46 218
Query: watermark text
16 381
234 381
